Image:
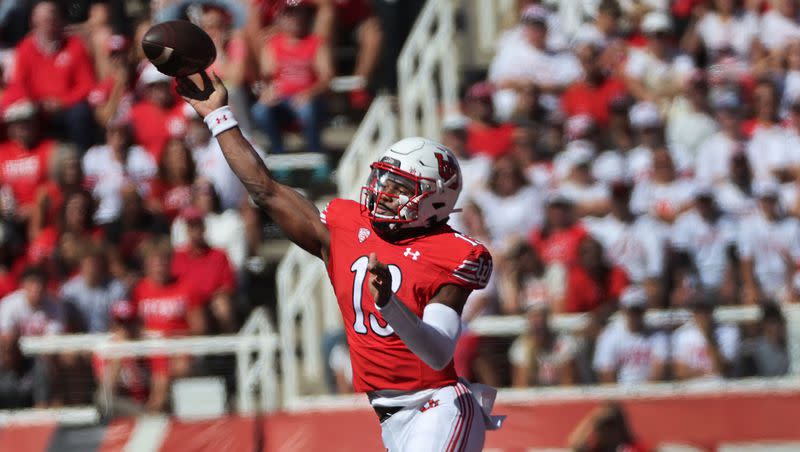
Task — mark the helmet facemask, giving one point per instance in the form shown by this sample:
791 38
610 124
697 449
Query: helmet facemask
391 197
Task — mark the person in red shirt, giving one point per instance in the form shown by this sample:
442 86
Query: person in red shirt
158 116
55 70
594 93
592 283
167 307
172 191
25 157
112 98
208 270
484 134
298 68
557 241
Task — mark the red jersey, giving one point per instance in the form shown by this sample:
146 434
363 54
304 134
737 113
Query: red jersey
583 98
66 75
164 309
25 170
208 271
419 267
584 294
153 126
294 63
491 141
173 198
558 246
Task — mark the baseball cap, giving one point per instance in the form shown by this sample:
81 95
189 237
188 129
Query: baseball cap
644 115
535 14
633 297
20 110
455 122
151 75
656 22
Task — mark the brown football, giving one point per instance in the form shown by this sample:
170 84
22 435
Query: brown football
178 48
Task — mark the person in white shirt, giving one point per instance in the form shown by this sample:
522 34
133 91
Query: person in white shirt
540 357
30 311
779 24
701 348
111 166
627 351
523 58
663 197
589 196
211 163
735 195
654 72
631 243
510 206
714 154
706 235
688 120
769 150
725 28
769 247
647 123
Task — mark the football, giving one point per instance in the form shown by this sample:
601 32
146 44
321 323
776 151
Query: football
178 48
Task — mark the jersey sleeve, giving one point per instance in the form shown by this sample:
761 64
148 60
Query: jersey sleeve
472 271
336 210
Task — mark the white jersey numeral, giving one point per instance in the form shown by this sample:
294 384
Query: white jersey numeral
359 267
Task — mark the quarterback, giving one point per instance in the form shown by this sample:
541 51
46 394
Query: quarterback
400 274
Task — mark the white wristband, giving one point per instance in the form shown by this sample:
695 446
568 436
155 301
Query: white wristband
220 120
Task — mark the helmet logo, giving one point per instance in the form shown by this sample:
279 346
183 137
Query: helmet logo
391 161
447 166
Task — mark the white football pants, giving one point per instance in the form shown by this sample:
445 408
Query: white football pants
450 421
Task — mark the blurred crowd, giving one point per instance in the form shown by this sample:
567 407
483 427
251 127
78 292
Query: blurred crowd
118 212
620 156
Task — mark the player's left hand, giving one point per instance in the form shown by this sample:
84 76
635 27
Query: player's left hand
380 282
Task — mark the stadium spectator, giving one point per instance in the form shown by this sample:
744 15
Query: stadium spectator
296 65
766 355
540 357
768 243
592 283
25 158
55 71
211 164
557 240
30 311
735 194
223 229
510 206
628 352
525 279
586 195
207 270
110 166
722 145
726 27
341 366
523 58
630 242
701 348
17 384
158 116
529 155
664 196
605 428
484 134
113 96
94 32
90 295
689 122
171 192
779 25
593 93
232 64
122 383
768 150
654 72
475 167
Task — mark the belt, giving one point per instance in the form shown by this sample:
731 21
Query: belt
385 412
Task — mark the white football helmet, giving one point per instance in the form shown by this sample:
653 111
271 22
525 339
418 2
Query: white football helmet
430 181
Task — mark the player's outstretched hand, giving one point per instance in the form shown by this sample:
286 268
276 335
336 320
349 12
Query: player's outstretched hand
380 281
211 96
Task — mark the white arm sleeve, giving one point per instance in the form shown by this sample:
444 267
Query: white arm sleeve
432 338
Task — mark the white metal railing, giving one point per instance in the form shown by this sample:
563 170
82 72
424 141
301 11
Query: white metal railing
429 51
306 299
255 347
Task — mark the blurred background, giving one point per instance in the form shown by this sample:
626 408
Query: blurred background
632 165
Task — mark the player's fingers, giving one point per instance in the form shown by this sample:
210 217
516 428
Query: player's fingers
218 85
375 266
